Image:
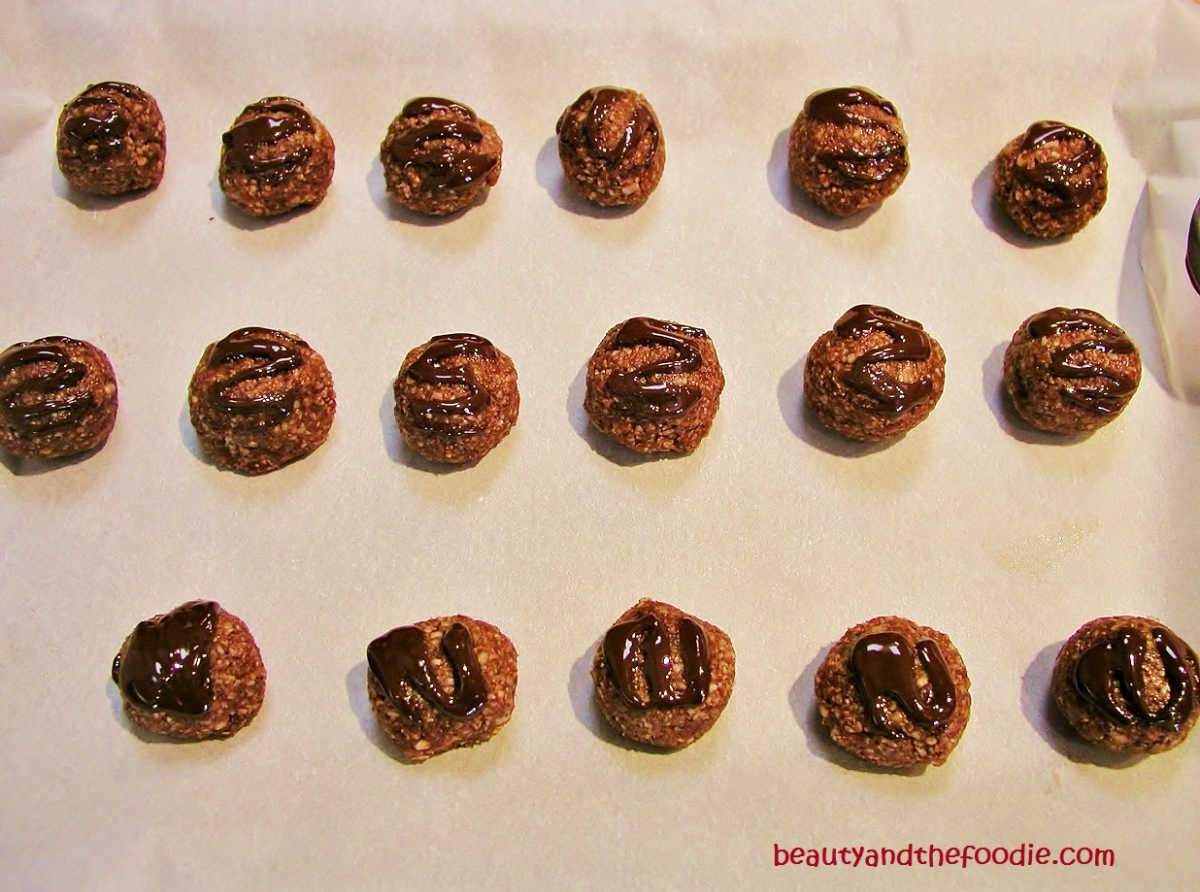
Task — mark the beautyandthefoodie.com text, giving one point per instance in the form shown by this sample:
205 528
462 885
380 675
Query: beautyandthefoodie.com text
910 855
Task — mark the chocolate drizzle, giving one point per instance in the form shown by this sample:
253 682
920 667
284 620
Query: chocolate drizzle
250 146
1110 675
399 663
99 134
640 395
1192 258
884 666
1061 177
429 368
442 151
165 664
280 354
640 648
54 408
840 106
909 343
1109 394
578 128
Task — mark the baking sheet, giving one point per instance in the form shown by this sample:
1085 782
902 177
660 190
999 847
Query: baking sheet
774 530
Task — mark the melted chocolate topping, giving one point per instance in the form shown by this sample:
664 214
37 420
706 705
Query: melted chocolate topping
640 646
435 415
399 662
590 128
54 409
428 105
99 134
1110 676
910 343
838 106
1110 393
642 397
280 354
165 665
442 149
884 666
1192 259
1060 177
250 145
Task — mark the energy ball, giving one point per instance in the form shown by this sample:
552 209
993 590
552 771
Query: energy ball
442 683
192 673
111 140
1070 371
663 676
259 399
456 398
654 386
58 397
439 156
847 150
1128 684
276 157
611 146
875 375
894 693
1051 180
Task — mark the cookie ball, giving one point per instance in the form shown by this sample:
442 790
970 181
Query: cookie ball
111 140
663 676
847 150
439 156
456 398
611 146
894 693
276 157
875 375
442 683
259 399
1051 180
654 386
58 397
1128 684
1070 371
192 673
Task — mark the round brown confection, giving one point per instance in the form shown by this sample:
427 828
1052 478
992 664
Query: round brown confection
276 156
611 146
894 693
663 676
1051 180
1070 371
192 673
654 386
58 397
111 140
259 399
456 398
442 683
1128 684
439 156
875 375
847 150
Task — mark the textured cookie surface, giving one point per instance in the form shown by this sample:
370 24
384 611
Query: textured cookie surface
192 673
663 677
442 683
654 386
894 693
111 140
611 146
58 397
1128 684
259 399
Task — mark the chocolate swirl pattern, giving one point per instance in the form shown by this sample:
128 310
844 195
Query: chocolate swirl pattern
279 354
428 105
640 394
400 664
909 343
439 415
841 106
641 647
603 102
884 666
99 135
1111 677
55 406
1060 177
251 146
442 150
165 665
1103 397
